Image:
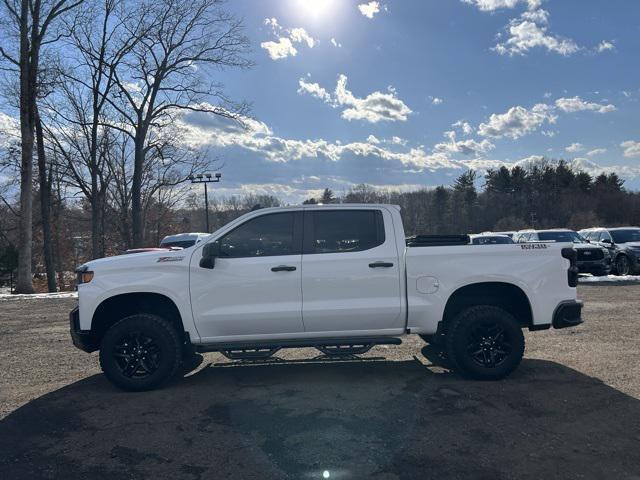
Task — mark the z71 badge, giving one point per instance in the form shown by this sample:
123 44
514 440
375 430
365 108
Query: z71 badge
170 259
533 246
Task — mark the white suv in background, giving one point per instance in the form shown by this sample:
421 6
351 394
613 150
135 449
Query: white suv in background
183 240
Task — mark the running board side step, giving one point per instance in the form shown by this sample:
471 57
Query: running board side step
265 349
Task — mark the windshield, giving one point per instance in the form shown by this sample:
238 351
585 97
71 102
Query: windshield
624 236
560 237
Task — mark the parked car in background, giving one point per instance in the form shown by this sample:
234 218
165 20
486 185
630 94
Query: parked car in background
490 239
183 240
145 249
623 244
592 259
509 234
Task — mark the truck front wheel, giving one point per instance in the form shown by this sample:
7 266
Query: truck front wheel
485 342
140 352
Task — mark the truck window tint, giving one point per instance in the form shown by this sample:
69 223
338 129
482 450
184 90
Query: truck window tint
346 231
268 235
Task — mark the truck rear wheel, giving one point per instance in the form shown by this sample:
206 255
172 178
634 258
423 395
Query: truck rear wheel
485 342
140 352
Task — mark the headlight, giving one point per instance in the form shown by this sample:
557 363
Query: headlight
83 275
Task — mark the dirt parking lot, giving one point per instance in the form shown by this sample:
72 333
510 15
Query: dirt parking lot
572 410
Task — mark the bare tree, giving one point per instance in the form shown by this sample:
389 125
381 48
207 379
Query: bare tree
165 170
169 70
33 23
80 111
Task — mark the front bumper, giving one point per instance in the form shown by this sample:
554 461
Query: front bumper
595 267
82 339
567 314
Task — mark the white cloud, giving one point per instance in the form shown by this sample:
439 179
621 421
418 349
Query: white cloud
596 151
465 147
314 90
375 107
300 35
576 104
207 130
530 31
335 43
574 147
517 121
492 5
369 9
466 128
284 46
631 148
549 133
9 130
604 46
280 49
398 141
436 100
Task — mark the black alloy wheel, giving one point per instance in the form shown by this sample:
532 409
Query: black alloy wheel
488 344
622 265
137 355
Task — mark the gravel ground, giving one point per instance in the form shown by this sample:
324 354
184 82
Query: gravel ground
572 409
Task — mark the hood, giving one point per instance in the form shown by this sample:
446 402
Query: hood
142 259
582 246
631 244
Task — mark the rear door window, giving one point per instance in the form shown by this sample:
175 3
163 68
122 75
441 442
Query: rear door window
342 231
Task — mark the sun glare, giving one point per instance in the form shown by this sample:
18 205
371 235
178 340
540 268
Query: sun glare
316 8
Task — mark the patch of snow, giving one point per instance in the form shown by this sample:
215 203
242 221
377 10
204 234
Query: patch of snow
610 279
7 296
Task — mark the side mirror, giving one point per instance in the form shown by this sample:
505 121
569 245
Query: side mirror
209 253
607 241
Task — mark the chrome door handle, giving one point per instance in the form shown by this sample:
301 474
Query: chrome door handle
380 265
283 268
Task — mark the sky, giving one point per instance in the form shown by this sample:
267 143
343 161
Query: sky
404 94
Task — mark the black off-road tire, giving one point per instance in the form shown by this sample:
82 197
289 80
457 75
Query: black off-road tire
475 329
151 341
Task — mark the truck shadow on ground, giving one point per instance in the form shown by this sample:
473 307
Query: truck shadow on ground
351 420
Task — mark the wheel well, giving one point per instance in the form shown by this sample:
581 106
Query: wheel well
499 294
120 306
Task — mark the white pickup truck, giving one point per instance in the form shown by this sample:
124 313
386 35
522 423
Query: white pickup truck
340 278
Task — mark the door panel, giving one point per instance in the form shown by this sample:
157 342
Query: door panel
350 272
255 285
243 296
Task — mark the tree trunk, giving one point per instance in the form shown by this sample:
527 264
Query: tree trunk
24 281
45 206
97 223
136 194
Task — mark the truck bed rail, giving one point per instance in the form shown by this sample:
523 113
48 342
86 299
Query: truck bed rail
437 240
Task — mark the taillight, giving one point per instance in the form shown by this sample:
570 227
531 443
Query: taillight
572 274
